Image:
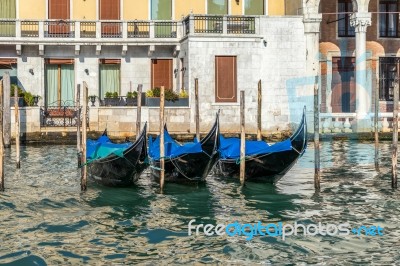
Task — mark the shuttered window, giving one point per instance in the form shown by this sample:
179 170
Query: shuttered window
109 9
254 7
161 9
59 9
7 8
217 7
161 73
225 79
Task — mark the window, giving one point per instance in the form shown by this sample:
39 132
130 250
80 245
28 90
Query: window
254 7
161 9
9 65
387 74
388 22
60 82
343 85
225 79
60 10
161 73
345 7
217 7
7 10
110 76
110 10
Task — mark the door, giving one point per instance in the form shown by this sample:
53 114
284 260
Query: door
161 73
110 10
59 10
60 82
225 79
343 85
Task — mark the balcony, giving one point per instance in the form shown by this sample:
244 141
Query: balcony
70 32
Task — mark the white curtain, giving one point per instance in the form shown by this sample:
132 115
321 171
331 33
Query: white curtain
109 79
51 84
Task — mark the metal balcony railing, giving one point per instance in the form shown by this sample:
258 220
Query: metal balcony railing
124 30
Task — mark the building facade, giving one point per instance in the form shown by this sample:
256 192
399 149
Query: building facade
49 47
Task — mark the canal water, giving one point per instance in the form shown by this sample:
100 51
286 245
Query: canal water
45 219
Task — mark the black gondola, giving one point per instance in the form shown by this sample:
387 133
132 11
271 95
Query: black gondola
268 166
122 164
193 161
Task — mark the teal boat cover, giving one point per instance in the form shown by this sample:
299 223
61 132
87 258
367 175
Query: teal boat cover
172 148
230 147
103 147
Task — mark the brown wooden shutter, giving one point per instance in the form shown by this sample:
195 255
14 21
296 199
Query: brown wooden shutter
343 85
225 79
161 73
59 9
109 9
59 61
110 61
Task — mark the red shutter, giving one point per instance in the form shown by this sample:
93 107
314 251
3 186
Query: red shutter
225 79
59 61
110 61
161 73
59 9
109 10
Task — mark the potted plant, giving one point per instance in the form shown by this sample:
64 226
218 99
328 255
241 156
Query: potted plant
171 98
92 99
111 99
131 98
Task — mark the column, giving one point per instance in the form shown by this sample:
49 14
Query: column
312 30
360 21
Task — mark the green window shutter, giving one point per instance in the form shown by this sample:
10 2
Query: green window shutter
217 7
161 9
7 9
254 7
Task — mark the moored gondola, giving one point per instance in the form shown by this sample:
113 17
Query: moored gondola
264 162
116 165
188 162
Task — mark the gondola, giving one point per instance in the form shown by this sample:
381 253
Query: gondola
185 163
116 165
263 162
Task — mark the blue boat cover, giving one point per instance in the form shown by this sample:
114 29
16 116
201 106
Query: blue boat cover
103 147
172 148
230 147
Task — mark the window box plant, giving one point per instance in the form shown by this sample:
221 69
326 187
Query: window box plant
112 99
171 98
131 98
25 98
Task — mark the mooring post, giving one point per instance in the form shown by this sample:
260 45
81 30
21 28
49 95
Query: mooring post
376 119
162 151
78 124
242 139
395 130
139 111
259 106
7 110
317 173
84 138
17 128
1 138
197 112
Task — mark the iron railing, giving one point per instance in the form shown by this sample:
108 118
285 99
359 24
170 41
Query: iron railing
88 29
241 25
62 114
29 28
208 24
165 29
111 29
59 29
7 28
139 29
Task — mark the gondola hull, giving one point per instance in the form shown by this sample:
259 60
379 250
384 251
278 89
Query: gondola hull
192 167
267 168
115 171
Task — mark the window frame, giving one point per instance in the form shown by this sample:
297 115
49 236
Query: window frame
387 4
385 94
349 31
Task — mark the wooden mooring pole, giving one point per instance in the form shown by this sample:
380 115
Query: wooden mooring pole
376 119
17 128
84 138
317 172
197 112
162 147
6 110
139 111
395 130
78 126
1 139
259 106
242 139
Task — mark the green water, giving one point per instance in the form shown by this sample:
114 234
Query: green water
46 220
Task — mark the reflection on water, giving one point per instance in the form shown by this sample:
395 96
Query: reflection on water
46 220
